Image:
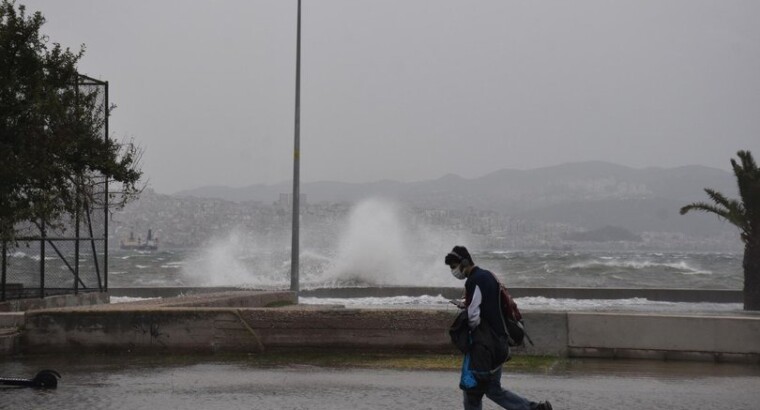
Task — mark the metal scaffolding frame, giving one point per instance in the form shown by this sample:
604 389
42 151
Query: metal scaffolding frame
67 260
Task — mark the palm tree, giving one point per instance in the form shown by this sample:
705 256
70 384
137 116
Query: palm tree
745 214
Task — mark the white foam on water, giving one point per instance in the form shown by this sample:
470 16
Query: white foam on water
174 265
611 262
534 304
395 301
632 304
126 299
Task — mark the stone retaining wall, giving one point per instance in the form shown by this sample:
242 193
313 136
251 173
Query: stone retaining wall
208 330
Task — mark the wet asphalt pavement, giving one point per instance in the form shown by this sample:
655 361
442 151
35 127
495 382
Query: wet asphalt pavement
124 383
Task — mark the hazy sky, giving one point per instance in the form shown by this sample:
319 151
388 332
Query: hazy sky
412 90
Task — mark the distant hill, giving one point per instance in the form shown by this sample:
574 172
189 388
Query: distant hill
587 194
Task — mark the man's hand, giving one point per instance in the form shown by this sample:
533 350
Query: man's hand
458 303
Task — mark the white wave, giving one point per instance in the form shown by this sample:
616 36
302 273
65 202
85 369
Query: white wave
686 269
610 262
632 304
527 304
18 254
141 266
173 265
126 299
395 301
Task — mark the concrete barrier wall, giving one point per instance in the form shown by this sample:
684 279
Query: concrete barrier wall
166 330
195 323
548 332
176 330
654 336
243 330
349 328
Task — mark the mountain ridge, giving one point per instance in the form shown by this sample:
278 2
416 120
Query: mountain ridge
588 194
603 178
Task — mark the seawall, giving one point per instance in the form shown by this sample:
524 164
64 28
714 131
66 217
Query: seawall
242 322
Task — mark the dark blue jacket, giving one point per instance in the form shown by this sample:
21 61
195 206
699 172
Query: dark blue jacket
488 348
482 300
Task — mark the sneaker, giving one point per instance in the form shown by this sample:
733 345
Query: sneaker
544 405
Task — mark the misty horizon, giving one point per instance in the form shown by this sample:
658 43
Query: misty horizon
495 171
414 90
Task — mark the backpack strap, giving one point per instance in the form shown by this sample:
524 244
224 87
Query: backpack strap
501 310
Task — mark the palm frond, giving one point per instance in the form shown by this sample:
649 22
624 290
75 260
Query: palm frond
748 163
734 218
719 198
736 210
748 179
705 207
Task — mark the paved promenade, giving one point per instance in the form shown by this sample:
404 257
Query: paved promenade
145 383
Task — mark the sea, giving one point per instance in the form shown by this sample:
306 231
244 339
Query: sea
222 266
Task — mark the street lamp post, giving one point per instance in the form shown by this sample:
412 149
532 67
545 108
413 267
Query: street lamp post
296 165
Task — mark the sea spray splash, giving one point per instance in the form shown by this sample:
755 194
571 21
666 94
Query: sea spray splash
239 259
381 245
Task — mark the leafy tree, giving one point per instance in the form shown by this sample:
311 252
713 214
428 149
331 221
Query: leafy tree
54 154
745 214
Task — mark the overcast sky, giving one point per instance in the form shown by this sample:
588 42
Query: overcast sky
412 90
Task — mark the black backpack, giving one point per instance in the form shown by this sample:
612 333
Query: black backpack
460 332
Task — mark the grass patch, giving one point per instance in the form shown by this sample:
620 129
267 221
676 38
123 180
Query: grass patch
279 303
397 361
289 358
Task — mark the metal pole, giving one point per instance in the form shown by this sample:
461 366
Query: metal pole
106 200
42 260
76 243
5 261
296 164
76 215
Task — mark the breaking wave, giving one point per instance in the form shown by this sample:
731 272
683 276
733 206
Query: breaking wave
607 263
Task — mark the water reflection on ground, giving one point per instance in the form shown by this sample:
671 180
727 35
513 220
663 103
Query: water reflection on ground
124 382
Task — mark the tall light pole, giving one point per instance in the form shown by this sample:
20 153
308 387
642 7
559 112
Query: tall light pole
296 165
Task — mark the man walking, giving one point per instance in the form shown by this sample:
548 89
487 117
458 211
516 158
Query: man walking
488 335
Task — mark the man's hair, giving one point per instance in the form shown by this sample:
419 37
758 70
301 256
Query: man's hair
459 255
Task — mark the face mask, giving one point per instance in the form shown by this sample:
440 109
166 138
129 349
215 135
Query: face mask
457 273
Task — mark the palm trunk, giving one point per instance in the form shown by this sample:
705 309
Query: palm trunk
752 274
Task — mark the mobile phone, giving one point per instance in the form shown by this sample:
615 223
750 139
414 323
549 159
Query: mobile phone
457 303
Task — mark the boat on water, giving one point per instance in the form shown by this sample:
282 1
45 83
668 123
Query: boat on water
150 243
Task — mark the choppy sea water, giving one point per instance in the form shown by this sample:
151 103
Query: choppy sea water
602 269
